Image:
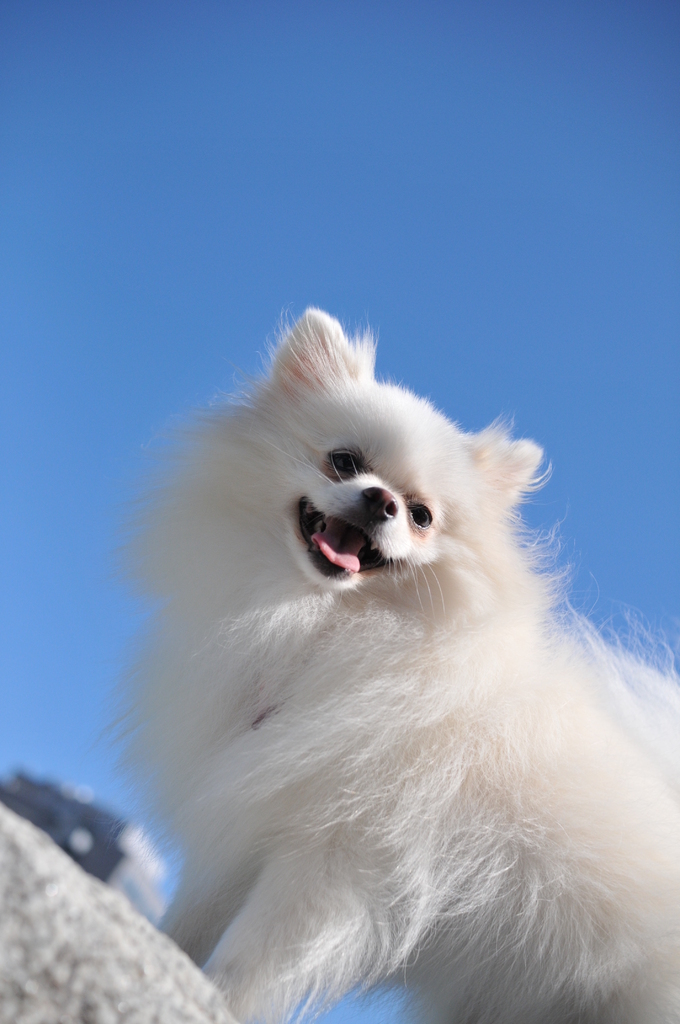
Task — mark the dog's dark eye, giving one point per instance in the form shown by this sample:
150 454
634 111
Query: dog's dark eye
421 516
345 463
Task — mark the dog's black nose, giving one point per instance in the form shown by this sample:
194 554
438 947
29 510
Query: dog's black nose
380 503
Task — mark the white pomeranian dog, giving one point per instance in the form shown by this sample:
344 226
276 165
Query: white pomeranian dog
387 757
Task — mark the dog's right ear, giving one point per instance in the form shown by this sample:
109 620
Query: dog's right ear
316 355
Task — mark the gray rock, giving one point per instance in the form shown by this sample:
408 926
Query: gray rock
73 951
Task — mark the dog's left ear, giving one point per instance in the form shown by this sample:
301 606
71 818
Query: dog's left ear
316 355
511 468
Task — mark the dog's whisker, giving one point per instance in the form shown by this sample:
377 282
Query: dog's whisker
427 584
306 462
441 592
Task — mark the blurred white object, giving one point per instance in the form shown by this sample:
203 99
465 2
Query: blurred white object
140 873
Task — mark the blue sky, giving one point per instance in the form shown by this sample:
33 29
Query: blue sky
493 186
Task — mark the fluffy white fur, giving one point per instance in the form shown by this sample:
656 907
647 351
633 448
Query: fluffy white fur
421 774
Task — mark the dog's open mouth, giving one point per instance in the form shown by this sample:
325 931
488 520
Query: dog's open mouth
337 547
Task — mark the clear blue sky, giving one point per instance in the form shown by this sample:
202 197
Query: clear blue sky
493 186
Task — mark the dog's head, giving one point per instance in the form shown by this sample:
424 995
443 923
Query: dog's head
378 482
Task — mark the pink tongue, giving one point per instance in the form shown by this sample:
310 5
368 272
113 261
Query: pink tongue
340 544
342 558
